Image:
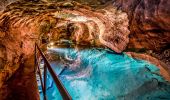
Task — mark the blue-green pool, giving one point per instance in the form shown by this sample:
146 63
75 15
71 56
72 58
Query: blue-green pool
101 74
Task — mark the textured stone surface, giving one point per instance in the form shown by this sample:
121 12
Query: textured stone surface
149 23
3 3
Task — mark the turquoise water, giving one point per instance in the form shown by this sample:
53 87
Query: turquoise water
100 74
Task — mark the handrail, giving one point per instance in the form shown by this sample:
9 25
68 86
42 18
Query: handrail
65 95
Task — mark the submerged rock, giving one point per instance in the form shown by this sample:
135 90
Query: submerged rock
164 69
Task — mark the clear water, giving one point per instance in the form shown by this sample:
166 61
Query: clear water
100 74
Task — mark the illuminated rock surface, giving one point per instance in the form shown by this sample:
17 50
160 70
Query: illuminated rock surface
24 23
28 21
149 25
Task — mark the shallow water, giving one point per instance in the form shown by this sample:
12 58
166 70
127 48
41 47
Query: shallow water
100 74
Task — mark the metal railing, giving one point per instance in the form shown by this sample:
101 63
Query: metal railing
65 95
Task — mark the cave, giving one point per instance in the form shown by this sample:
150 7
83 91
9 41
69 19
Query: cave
84 50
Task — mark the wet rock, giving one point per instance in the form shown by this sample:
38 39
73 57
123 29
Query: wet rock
147 87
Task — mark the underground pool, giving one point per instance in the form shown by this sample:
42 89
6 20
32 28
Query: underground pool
101 74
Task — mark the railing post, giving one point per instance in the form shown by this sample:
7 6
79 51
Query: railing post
45 80
42 85
60 86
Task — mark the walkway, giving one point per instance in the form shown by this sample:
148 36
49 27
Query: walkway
23 85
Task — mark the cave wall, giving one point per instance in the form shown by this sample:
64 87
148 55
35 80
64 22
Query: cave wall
149 22
4 3
22 23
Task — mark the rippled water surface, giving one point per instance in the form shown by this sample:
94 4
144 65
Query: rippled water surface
99 74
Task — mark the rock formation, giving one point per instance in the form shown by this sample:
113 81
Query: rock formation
149 23
164 71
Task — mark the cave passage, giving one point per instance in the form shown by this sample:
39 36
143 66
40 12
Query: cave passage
101 74
129 29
